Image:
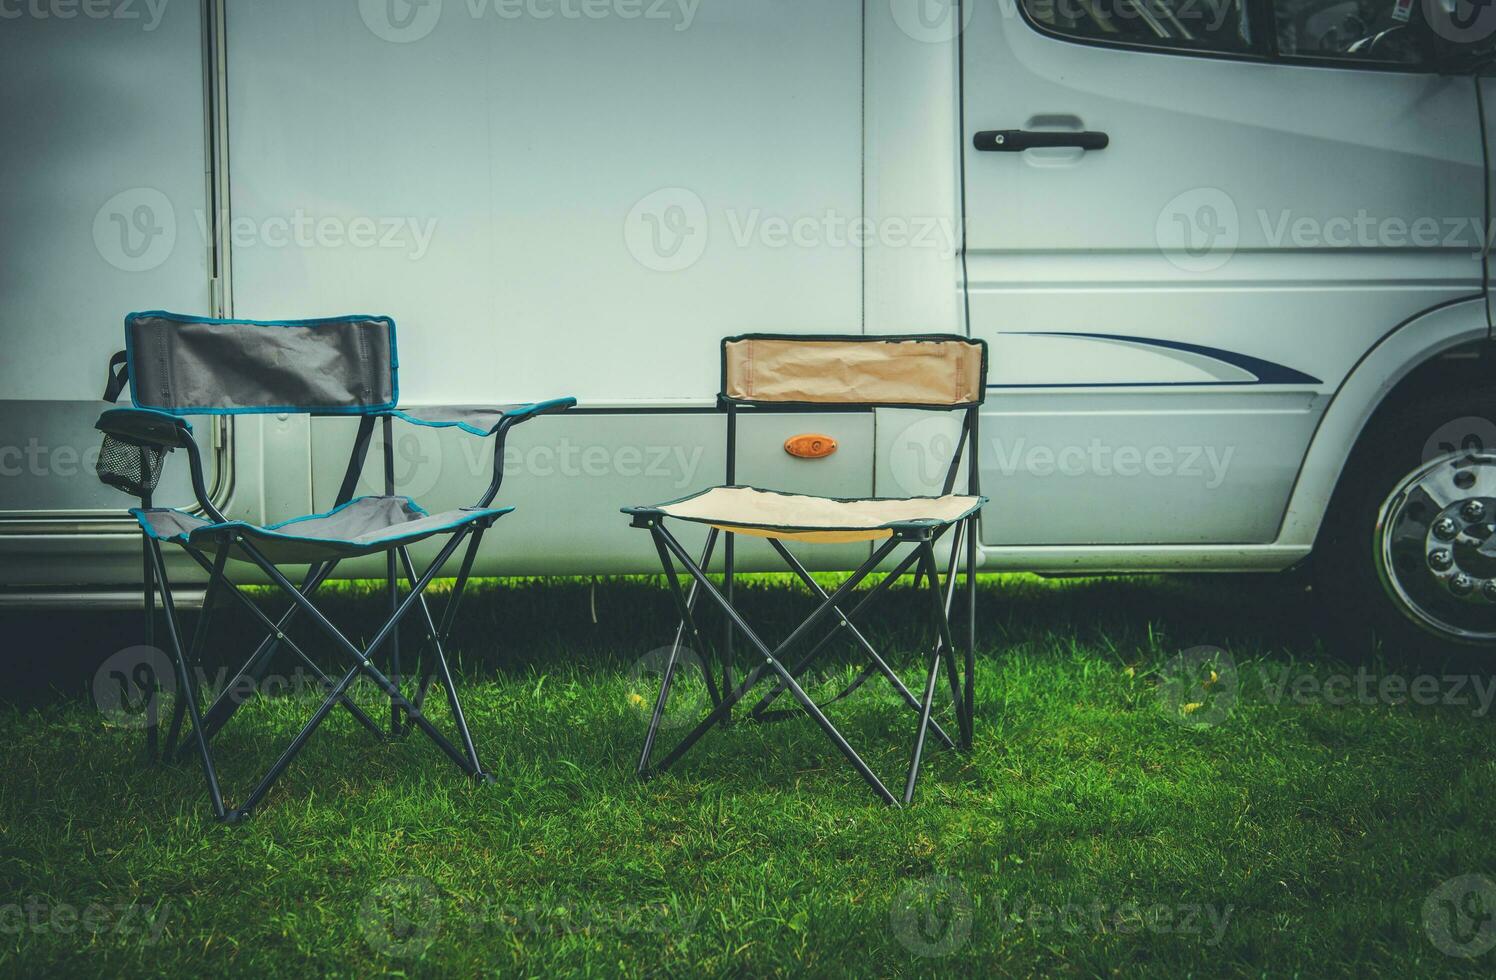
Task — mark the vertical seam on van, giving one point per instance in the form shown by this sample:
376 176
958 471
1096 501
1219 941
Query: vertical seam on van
961 160
862 166
862 252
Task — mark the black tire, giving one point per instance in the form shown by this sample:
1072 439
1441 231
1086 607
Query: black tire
1360 618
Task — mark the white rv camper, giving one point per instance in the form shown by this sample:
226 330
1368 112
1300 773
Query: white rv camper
1231 260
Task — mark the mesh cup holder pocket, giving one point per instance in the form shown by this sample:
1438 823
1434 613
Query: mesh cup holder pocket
130 466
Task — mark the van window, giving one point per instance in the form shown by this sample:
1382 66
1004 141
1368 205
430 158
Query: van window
1381 33
1369 31
1203 26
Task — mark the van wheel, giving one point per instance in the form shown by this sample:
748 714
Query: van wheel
1406 560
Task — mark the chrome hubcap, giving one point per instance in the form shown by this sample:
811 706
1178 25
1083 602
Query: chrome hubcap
1436 547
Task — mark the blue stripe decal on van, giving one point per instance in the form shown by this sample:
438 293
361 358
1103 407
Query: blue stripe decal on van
1265 372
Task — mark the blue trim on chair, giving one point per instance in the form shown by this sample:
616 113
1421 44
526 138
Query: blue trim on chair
430 424
271 409
520 412
540 408
271 530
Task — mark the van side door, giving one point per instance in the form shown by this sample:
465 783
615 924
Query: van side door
1186 221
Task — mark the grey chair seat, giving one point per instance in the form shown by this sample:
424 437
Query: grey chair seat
362 526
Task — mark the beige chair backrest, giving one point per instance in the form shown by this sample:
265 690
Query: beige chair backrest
924 371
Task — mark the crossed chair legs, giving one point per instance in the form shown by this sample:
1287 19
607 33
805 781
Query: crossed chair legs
833 604
206 724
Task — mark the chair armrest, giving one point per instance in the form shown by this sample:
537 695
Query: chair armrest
553 406
146 426
479 420
136 441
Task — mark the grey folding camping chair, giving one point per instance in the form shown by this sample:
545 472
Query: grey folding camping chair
766 372
180 366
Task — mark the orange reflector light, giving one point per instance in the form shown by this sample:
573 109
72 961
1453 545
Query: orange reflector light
810 446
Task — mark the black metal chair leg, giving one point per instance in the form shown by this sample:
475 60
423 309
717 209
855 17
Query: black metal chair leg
428 675
294 749
867 601
729 583
187 691
358 713
932 576
449 616
940 611
711 721
229 699
178 716
972 527
392 590
459 587
804 663
831 733
152 709
931 682
435 644
691 596
771 657
658 713
368 666
958 698
879 664
684 604
199 640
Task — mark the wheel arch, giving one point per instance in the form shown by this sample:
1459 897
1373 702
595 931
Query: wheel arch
1430 349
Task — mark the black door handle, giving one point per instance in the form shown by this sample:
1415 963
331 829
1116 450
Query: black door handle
1017 140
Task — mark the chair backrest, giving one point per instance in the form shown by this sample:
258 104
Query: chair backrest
931 371
188 365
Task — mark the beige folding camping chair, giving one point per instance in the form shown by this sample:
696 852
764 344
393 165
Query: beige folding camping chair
763 372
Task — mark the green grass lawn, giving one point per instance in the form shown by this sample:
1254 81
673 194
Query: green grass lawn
1271 811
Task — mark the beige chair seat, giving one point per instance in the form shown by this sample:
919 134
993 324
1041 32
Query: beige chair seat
801 517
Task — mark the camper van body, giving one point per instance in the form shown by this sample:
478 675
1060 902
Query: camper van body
1190 328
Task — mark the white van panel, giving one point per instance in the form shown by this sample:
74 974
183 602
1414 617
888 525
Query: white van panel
912 260
573 205
569 475
101 191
